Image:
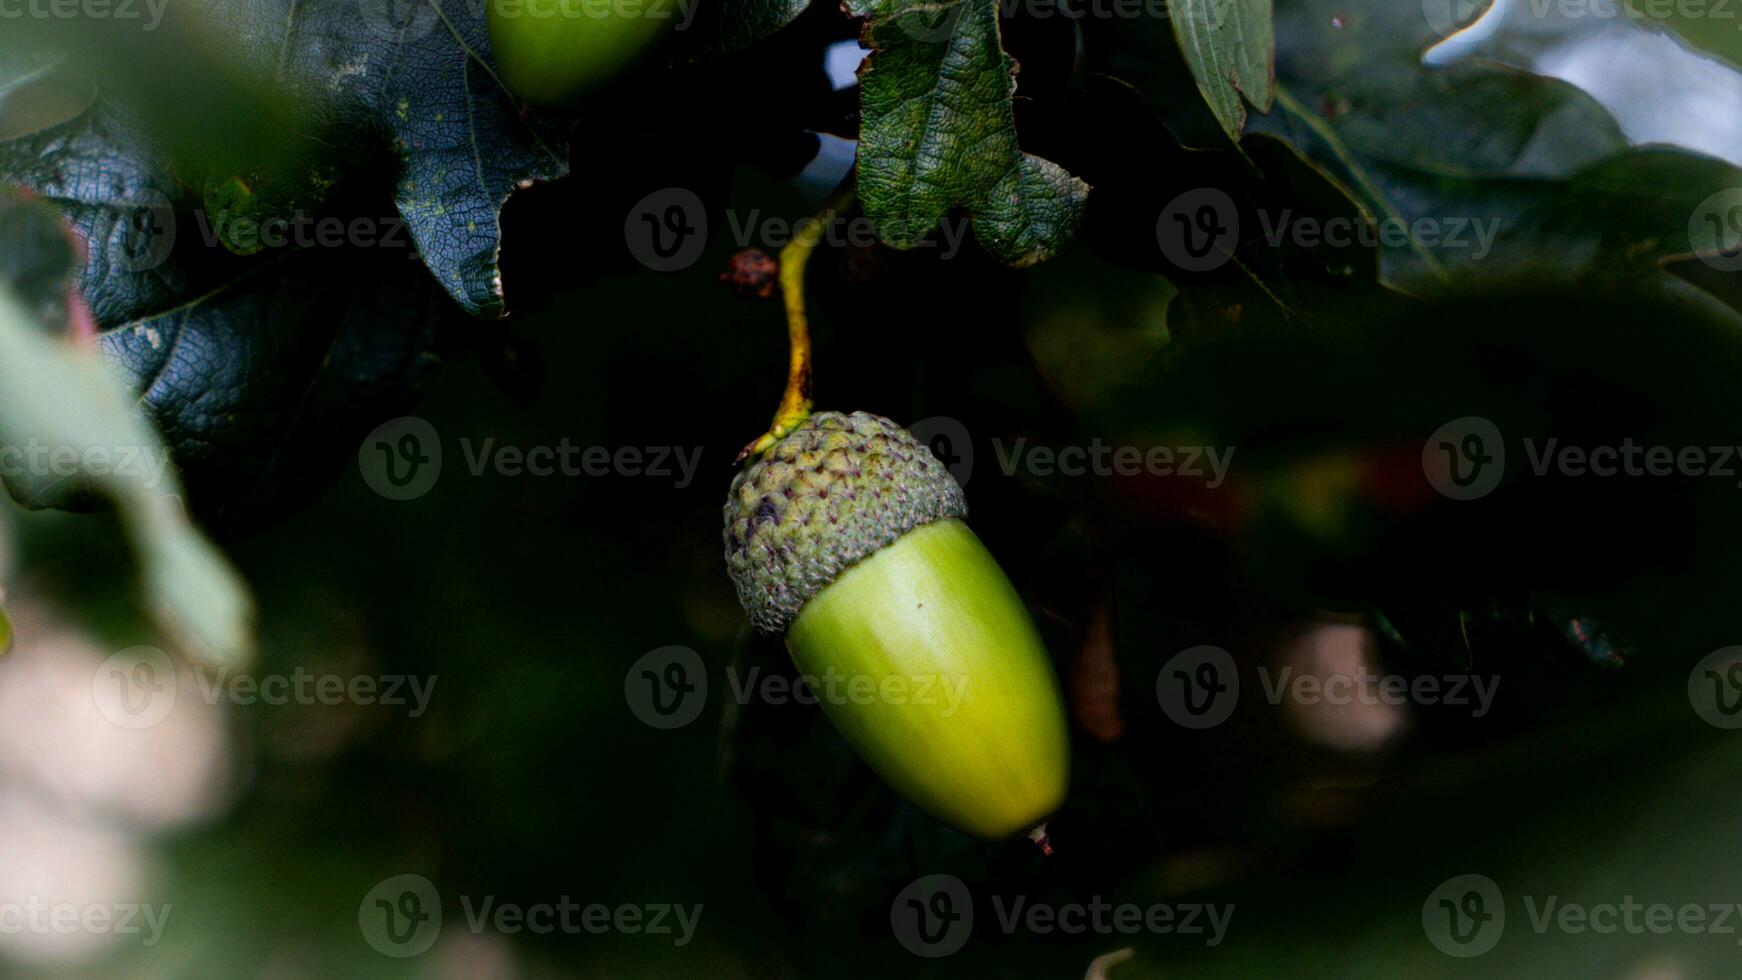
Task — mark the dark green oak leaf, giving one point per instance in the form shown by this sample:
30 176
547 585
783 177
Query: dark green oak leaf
417 79
262 374
745 22
265 386
1231 48
938 132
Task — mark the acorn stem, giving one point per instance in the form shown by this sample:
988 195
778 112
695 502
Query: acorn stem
795 405
1041 840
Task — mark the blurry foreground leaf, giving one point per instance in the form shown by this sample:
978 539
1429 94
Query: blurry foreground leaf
69 430
1712 27
38 91
1476 173
56 402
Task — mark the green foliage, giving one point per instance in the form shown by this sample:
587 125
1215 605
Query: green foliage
1231 48
939 132
261 373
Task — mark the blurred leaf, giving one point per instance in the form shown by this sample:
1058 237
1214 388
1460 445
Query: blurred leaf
1712 26
203 109
37 258
939 132
1533 177
38 90
1718 274
57 401
1231 48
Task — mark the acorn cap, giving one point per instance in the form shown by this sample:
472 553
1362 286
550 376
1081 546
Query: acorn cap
833 492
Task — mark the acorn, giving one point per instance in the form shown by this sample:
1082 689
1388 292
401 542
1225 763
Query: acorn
553 53
846 536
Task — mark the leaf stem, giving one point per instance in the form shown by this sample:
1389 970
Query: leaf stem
795 404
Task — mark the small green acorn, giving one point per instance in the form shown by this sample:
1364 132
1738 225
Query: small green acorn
846 536
553 52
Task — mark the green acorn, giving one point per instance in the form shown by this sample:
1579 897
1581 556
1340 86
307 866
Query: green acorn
847 537
551 53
